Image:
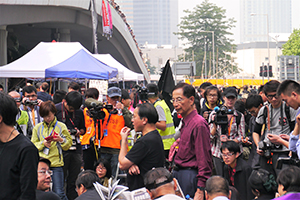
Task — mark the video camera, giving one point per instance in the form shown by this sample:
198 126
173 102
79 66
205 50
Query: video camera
72 131
96 108
143 94
27 102
267 146
281 161
221 115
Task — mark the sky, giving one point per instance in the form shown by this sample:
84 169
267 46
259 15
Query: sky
232 8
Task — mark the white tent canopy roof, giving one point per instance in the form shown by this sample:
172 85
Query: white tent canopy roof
110 61
41 57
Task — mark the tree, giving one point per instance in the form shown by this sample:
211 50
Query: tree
152 69
292 47
208 17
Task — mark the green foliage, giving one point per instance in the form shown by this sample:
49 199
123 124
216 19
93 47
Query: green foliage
152 69
292 47
207 17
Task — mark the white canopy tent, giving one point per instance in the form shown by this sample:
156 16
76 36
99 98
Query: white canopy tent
125 74
41 57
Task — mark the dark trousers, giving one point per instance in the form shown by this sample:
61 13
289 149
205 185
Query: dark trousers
89 158
271 167
219 166
187 180
72 166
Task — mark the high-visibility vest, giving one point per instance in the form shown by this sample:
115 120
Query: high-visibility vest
167 136
90 130
113 127
23 119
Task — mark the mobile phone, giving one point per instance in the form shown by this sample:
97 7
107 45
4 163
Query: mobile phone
49 138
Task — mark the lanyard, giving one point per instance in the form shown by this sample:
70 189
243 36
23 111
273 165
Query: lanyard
64 111
229 127
108 120
51 131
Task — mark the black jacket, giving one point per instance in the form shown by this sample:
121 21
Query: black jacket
243 171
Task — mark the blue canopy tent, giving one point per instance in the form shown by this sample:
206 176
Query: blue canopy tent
81 65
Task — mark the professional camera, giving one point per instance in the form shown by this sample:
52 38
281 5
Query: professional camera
143 94
221 115
73 131
287 161
27 102
96 108
267 146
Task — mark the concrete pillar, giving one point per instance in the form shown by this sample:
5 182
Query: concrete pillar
3 53
64 35
3 45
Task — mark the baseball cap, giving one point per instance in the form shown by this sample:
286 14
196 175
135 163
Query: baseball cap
157 177
114 92
230 92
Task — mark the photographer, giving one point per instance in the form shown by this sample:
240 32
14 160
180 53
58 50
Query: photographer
290 91
232 128
31 106
112 124
69 113
279 122
213 98
88 140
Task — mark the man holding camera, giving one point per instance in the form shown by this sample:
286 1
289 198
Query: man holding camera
279 120
232 129
31 106
69 113
112 124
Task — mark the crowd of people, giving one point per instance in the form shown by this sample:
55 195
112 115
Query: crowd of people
218 143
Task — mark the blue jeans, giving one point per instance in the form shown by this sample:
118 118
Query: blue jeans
187 180
58 182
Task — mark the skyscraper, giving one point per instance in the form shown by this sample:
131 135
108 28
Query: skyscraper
154 21
254 16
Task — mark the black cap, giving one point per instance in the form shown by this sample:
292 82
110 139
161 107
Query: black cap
157 177
230 92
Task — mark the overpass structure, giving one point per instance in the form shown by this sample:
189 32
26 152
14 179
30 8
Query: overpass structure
29 22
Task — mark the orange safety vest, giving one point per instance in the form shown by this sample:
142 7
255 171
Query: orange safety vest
90 129
113 127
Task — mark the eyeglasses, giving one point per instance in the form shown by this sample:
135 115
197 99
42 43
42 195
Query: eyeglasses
32 96
212 95
101 168
270 97
224 155
44 172
252 112
178 100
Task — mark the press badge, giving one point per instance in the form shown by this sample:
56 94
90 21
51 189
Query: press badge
46 151
105 132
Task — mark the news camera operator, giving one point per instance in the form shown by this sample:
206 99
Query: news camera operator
226 124
113 123
69 113
279 120
31 105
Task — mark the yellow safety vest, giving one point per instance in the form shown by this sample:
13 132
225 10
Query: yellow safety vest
167 136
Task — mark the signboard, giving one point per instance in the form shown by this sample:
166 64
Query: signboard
184 68
101 85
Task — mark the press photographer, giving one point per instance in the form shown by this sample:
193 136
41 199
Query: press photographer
68 112
278 119
113 122
30 104
225 124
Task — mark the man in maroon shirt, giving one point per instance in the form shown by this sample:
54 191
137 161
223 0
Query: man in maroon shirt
193 159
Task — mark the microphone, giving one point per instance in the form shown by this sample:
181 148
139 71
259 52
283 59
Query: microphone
91 103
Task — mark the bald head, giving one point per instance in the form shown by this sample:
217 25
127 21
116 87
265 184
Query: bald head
16 96
216 186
